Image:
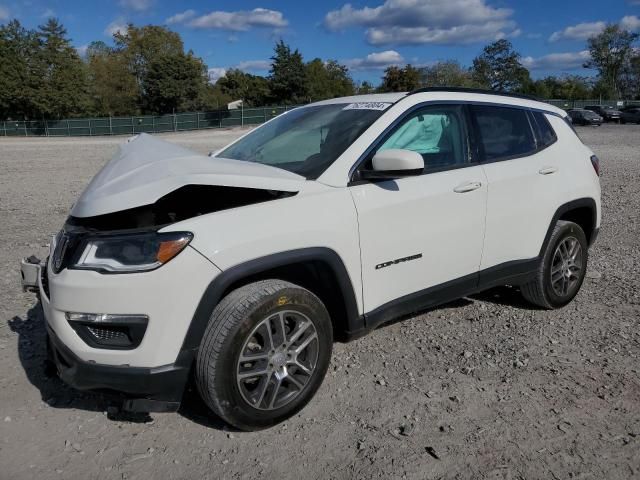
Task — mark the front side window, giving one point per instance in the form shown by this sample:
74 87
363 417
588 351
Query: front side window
505 132
435 132
306 140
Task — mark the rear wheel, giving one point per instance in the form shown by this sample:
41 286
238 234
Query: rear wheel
264 354
561 270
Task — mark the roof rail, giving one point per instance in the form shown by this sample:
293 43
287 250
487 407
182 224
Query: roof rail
474 90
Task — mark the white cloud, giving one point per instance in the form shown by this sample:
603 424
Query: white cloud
584 31
4 13
375 61
426 21
82 50
253 65
180 17
630 22
557 61
216 73
117 26
581 31
241 20
136 5
48 13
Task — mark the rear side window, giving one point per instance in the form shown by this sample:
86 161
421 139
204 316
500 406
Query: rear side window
544 132
505 132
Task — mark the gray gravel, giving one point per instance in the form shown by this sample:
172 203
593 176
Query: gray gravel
485 387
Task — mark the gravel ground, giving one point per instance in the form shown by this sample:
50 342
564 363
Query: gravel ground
485 387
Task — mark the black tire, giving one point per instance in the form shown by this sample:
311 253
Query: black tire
540 290
232 323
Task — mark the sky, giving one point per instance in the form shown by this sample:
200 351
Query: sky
366 35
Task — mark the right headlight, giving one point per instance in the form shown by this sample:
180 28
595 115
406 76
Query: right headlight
129 253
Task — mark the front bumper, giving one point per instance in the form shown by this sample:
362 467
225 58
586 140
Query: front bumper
149 377
141 389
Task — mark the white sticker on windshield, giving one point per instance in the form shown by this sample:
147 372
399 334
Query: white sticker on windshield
367 106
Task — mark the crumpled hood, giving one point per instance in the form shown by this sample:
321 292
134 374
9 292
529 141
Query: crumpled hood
147 168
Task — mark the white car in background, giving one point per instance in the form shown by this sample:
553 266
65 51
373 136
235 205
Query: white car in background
321 224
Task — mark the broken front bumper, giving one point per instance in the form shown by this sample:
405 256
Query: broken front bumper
30 271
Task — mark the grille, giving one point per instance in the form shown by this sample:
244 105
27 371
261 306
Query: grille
106 333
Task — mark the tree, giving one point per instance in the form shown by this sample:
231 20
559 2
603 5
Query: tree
141 46
287 75
447 74
113 87
64 90
174 83
238 85
398 79
498 68
610 53
364 88
327 80
20 77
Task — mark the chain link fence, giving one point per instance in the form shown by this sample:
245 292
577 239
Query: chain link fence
139 124
184 121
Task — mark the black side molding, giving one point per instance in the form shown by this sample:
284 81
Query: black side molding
567 207
217 288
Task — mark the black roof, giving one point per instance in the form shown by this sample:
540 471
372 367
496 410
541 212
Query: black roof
475 90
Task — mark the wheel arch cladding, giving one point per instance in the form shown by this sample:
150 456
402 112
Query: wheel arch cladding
582 211
317 269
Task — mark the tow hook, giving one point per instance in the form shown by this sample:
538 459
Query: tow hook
30 272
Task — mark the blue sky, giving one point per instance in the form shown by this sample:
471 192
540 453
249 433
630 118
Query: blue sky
367 35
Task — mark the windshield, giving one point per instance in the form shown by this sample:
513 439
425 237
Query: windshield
306 140
589 114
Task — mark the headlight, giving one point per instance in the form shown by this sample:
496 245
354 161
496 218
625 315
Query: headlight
131 252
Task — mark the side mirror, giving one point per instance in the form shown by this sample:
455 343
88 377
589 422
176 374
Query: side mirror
394 163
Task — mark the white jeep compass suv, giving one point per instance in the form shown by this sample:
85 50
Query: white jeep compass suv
243 266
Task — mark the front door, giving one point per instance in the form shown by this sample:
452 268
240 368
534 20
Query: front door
423 231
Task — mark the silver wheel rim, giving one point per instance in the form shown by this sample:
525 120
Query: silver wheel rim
277 360
566 266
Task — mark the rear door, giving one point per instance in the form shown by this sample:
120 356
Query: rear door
422 231
525 176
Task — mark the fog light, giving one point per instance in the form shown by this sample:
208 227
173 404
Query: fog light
107 330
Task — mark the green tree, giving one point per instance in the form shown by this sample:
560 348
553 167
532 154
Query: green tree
327 80
174 83
498 68
448 73
64 90
287 75
20 77
365 88
238 85
113 87
141 46
398 79
610 53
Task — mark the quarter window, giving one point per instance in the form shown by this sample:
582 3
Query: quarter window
544 132
505 132
435 132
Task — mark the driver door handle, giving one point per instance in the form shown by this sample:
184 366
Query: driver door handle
547 170
467 187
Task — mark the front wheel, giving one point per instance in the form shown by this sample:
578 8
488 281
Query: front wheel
561 269
264 354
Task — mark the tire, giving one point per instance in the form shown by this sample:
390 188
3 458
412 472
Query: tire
544 292
249 321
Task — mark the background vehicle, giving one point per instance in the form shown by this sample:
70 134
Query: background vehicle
584 117
630 115
324 223
607 112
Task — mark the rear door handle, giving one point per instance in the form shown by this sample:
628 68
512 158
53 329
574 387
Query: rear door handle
547 170
467 187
